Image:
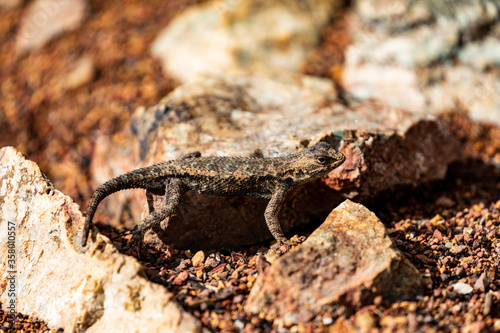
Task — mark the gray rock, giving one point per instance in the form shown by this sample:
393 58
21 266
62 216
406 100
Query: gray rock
432 55
254 115
340 268
462 288
100 290
482 55
226 36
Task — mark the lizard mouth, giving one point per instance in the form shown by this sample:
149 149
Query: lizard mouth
339 158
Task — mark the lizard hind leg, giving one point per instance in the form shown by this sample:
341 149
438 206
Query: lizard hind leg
150 197
174 191
271 213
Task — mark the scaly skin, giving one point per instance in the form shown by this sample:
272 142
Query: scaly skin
271 178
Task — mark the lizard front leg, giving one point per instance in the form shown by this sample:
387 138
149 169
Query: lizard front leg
174 191
272 210
150 199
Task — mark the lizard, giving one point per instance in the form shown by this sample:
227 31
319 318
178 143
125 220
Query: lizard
271 178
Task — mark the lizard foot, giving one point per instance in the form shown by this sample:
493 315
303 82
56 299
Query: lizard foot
136 239
122 234
285 245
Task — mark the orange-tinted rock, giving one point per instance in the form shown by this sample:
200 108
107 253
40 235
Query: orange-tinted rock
342 266
100 290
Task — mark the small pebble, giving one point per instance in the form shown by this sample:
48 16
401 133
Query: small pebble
198 258
456 249
488 302
462 288
327 321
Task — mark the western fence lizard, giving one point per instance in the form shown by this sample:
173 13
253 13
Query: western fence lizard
270 178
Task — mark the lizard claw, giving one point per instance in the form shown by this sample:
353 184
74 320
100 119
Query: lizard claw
134 241
122 234
281 246
284 245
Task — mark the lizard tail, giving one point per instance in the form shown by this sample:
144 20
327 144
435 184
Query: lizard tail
114 185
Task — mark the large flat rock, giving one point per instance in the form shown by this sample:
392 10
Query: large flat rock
431 55
270 116
340 268
50 278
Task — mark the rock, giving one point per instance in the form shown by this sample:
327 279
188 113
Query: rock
488 302
256 115
243 35
475 327
198 258
341 267
82 73
482 282
483 54
462 288
364 321
426 55
46 19
100 290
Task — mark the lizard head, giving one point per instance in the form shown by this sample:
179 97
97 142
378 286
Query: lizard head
314 162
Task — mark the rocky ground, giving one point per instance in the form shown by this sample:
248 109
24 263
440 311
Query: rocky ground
449 229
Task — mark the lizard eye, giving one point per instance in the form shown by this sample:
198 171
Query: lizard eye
321 160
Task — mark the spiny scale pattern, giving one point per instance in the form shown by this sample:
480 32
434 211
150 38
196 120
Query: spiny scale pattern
271 178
